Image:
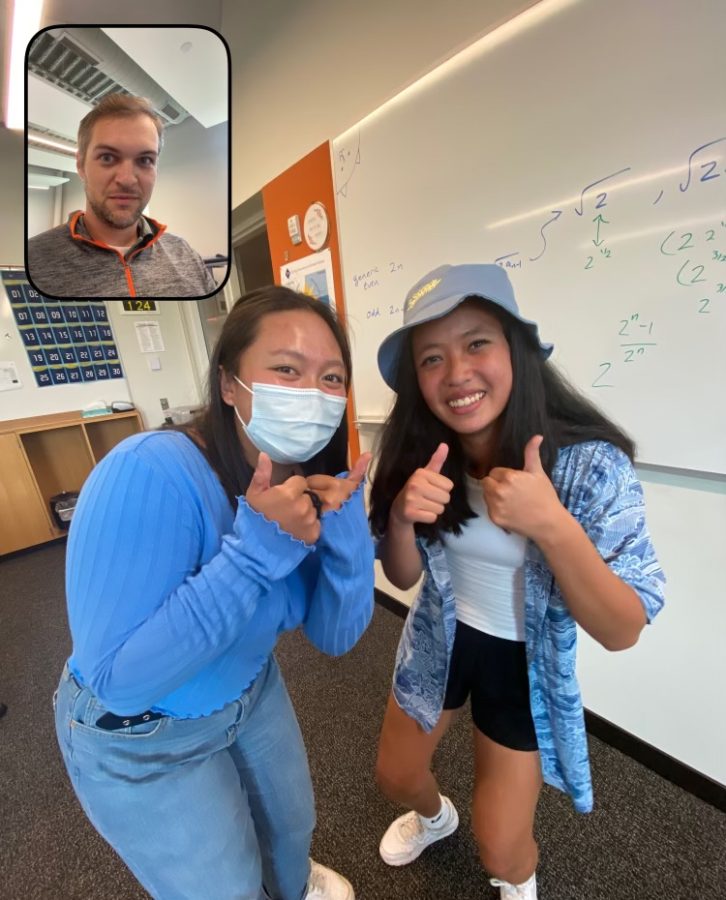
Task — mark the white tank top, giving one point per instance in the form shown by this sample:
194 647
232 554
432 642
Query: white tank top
486 566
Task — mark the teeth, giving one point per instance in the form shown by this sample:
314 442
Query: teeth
466 401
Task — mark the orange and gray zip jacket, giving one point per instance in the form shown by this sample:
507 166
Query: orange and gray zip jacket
67 262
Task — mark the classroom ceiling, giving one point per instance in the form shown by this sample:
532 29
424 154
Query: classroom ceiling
182 69
72 68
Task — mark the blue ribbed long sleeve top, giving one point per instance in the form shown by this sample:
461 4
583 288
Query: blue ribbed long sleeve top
175 600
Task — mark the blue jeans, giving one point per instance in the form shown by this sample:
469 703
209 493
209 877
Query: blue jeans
199 809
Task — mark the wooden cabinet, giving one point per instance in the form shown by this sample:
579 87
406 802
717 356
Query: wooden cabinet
43 456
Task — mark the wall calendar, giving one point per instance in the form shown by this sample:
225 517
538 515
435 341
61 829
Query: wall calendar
67 341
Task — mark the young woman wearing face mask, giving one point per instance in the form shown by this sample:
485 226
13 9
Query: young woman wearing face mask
518 501
189 552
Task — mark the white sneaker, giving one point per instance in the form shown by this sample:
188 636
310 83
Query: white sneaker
409 836
525 891
325 884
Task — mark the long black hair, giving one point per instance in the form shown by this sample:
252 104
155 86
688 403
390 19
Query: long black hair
214 429
542 401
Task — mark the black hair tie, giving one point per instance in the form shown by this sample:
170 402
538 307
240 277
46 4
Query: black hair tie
316 501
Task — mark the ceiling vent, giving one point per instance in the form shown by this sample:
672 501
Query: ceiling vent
87 64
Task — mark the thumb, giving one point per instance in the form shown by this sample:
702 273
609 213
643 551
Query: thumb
436 463
532 462
357 473
262 475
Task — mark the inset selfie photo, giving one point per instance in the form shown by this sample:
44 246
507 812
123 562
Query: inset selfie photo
127 162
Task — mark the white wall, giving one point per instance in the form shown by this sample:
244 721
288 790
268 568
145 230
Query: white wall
669 688
132 12
175 380
31 400
12 198
190 196
40 210
302 73
73 197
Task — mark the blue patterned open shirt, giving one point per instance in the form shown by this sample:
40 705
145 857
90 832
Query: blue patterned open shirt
598 485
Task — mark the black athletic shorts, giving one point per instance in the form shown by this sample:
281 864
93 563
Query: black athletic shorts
494 672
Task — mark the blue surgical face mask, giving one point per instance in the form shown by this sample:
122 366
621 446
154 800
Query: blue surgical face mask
291 424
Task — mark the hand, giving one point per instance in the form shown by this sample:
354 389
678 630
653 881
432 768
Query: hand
523 501
286 503
335 491
424 496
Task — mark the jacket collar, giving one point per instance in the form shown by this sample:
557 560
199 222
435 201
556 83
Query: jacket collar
149 231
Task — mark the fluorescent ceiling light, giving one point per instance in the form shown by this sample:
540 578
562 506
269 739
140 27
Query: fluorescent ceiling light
52 160
38 187
33 138
25 18
42 179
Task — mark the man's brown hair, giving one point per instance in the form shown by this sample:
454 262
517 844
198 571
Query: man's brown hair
116 105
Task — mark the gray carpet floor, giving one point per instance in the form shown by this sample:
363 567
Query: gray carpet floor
647 839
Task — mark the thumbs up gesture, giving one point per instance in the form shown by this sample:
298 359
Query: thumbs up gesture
261 477
523 501
333 492
426 493
286 503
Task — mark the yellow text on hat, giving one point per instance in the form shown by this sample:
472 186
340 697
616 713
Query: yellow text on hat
421 292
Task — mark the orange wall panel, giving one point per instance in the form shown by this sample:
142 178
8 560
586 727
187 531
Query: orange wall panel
309 181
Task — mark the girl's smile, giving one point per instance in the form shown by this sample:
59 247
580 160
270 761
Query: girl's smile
464 368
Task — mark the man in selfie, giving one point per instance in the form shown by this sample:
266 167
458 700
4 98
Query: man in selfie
111 249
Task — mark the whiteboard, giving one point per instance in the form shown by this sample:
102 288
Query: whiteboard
587 155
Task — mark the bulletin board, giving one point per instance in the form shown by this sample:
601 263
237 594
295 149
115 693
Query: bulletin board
66 341
581 147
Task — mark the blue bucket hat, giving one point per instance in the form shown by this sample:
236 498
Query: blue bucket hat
440 292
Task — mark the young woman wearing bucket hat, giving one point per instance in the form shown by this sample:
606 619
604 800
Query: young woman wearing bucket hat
517 499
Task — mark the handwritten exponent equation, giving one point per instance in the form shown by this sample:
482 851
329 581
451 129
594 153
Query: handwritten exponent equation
599 241
699 257
586 196
636 338
600 224
704 166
